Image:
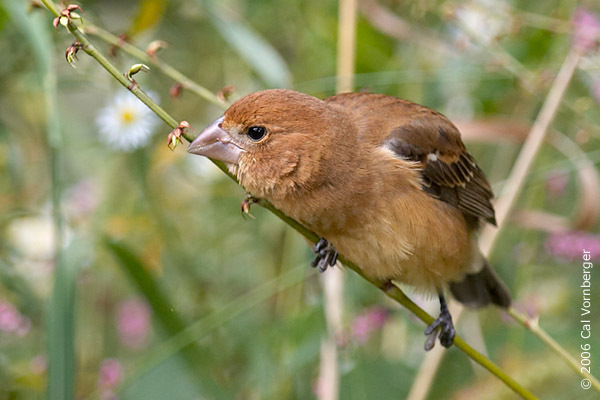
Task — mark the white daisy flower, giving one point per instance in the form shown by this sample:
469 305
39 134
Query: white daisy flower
126 123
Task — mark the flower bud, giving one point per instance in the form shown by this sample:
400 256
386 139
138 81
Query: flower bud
135 69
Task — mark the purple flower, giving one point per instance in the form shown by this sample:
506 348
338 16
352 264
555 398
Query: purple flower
133 323
110 374
586 29
366 323
569 246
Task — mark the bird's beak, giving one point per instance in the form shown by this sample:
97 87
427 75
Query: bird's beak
216 143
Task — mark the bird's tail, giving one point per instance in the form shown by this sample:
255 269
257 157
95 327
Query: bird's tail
481 288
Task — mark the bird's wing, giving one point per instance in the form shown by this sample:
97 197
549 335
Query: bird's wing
449 172
417 133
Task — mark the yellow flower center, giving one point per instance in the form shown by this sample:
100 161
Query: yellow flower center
128 115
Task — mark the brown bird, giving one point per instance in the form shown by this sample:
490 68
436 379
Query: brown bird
386 182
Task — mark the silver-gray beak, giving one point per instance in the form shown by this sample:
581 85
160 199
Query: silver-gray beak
215 143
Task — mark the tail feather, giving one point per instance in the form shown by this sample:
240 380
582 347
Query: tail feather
481 288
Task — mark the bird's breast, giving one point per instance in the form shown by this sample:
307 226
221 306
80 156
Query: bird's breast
411 238
383 222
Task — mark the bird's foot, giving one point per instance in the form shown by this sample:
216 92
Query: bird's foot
442 327
325 255
246 203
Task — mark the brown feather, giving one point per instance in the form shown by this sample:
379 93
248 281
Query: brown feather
415 132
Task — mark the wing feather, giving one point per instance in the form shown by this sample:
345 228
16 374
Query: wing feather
449 172
417 133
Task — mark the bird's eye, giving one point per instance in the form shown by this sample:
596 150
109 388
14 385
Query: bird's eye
257 132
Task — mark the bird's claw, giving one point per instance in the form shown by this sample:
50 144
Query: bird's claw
246 203
325 255
443 327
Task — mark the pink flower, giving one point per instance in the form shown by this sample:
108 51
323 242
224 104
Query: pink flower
133 323
368 322
586 29
110 374
11 320
570 245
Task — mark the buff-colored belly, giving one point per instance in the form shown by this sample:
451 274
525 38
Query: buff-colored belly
403 235
423 252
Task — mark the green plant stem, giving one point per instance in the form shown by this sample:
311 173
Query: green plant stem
398 295
165 68
534 326
393 292
476 356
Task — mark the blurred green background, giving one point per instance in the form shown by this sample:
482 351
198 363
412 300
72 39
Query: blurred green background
154 242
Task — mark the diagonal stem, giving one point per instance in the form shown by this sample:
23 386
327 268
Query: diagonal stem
533 326
515 183
165 68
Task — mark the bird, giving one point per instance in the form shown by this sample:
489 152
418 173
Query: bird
386 182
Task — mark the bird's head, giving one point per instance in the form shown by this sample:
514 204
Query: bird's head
274 141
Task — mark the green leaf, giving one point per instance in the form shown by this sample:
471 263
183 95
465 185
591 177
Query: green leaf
61 332
61 320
